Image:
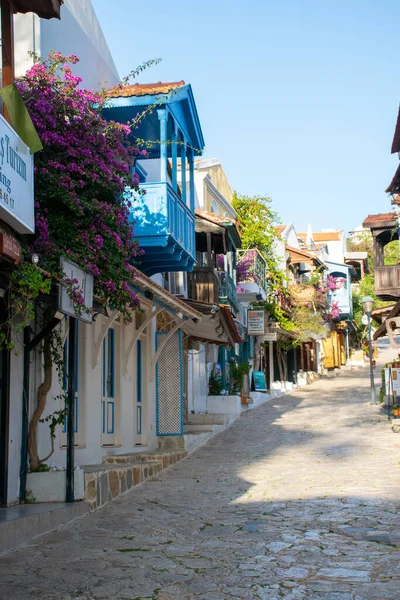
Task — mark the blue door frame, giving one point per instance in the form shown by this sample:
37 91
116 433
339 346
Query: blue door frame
108 388
139 390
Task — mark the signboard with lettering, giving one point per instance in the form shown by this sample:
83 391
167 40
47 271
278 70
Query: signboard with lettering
270 336
84 285
260 384
10 248
255 322
16 181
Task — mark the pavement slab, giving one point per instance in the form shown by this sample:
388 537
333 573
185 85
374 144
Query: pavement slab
297 500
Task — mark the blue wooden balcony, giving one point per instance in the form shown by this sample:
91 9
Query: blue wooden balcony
165 229
165 117
227 291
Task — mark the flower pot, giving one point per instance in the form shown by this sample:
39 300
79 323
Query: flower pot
396 412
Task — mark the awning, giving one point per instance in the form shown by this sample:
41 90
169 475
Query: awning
380 314
381 331
303 256
217 325
45 9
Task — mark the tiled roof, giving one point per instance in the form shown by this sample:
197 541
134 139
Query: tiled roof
280 228
323 236
394 186
144 89
214 217
396 137
381 218
297 255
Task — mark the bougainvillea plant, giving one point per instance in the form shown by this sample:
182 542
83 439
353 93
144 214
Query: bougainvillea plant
83 183
84 189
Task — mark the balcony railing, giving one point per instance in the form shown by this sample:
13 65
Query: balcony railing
387 282
251 267
203 285
165 228
227 291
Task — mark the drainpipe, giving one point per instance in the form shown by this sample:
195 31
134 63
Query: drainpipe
71 410
25 415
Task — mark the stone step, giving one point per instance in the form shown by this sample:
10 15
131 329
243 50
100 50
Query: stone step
196 439
19 524
194 427
207 418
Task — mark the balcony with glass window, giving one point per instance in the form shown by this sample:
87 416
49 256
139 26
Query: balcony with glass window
251 273
166 120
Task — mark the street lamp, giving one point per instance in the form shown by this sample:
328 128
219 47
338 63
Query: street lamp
368 306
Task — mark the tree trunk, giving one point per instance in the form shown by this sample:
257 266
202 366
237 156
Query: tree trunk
279 355
43 390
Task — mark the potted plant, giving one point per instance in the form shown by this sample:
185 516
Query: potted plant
238 372
396 410
214 386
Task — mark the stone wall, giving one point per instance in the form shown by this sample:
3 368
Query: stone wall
119 474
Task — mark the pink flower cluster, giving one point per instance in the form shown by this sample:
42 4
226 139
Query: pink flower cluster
81 176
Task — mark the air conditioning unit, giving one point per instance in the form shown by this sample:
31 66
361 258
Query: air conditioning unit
178 284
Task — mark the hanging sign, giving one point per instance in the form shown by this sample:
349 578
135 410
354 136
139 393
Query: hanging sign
255 322
10 248
16 180
270 336
260 384
83 285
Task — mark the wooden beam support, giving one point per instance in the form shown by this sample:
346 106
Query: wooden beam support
103 333
136 336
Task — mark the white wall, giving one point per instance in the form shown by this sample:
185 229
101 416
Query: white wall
90 448
197 380
15 420
336 251
78 32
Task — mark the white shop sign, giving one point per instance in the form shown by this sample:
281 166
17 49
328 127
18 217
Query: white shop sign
270 336
16 181
84 285
255 322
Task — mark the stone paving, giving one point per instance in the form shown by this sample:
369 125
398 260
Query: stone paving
297 500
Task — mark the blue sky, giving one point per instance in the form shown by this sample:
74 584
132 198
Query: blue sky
298 99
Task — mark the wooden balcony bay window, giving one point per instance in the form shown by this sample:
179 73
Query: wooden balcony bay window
213 280
165 117
384 229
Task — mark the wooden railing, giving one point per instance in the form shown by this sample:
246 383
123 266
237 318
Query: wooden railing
203 285
227 291
257 267
387 282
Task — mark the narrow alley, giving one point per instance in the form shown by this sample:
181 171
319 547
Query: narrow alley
297 500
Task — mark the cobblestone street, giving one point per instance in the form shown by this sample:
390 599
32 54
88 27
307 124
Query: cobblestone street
297 500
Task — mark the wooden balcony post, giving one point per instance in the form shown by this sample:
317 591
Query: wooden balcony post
183 170
191 179
378 252
162 117
174 152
